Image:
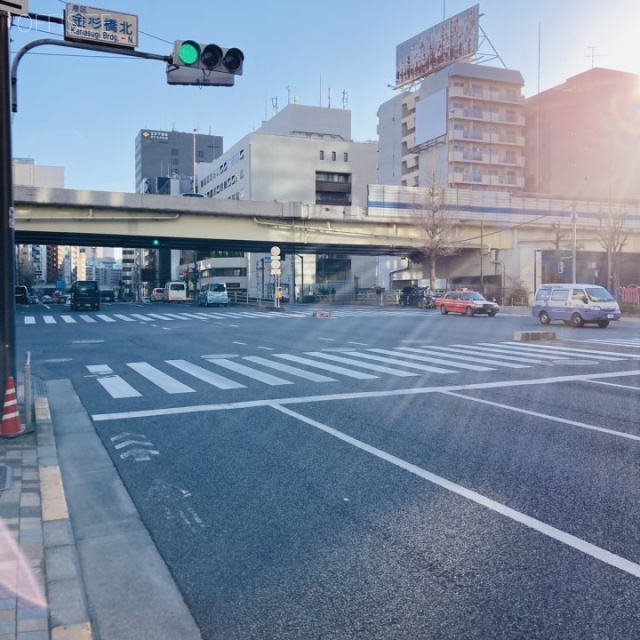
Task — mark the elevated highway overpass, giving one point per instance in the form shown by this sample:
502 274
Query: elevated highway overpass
387 226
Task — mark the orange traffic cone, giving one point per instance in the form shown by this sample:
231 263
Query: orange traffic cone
10 417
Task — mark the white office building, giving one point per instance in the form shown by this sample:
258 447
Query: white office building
302 154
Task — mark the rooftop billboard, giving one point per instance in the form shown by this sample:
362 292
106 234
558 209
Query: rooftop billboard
437 47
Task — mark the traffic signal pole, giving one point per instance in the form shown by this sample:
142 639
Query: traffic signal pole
7 232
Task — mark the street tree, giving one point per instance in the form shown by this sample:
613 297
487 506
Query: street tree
436 226
613 236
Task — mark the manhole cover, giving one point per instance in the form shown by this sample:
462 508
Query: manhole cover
5 477
573 362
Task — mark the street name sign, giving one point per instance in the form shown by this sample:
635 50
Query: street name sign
100 26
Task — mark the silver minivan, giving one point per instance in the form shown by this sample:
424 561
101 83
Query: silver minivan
213 293
575 304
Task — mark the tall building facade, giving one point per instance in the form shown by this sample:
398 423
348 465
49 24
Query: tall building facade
582 137
464 126
303 154
165 163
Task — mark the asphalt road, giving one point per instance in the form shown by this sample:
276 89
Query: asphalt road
385 473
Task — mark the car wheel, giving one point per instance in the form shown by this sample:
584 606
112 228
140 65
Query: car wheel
491 314
469 312
443 310
603 324
544 317
576 320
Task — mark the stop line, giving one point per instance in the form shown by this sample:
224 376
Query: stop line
230 371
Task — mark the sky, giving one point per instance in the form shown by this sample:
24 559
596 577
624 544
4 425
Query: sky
82 110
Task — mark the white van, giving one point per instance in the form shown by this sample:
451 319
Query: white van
175 292
575 304
213 293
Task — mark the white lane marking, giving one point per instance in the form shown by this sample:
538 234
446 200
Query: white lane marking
30 319
517 516
329 397
205 375
186 316
536 414
236 342
484 351
556 352
114 385
611 384
105 318
231 314
294 371
363 365
425 358
266 348
261 376
88 318
361 344
159 378
177 316
139 316
499 351
69 319
456 355
326 367
49 319
123 317
327 339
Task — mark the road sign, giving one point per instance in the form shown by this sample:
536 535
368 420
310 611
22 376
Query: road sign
15 8
100 26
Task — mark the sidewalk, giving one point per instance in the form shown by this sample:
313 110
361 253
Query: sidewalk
41 591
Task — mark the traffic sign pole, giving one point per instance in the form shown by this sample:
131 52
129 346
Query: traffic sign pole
7 232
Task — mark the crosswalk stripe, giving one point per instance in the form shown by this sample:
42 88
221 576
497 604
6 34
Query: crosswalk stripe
159 378
49 320
404 363
581 352
139 316
69 319
205 316
482 351
114 385
261 376
326 367
123 317
363 365
205 375
159 316
447 351
285 368
428 358
177 316
29 320
105 318
545 353
87 319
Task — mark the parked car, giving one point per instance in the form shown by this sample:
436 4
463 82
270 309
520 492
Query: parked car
468 303
157 295
85 293
175 291
107 295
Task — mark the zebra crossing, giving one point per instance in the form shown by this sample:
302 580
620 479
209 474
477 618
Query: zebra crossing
97 318
230 371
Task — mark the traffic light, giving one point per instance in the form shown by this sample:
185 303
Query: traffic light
155 242
204 64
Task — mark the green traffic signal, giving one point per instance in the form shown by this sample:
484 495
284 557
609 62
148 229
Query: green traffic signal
189 52
156 242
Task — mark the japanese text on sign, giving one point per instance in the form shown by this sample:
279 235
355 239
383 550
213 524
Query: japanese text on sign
100 26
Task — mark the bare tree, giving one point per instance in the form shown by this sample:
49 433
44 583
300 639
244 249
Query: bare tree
436 226
612 237
559 234
26 274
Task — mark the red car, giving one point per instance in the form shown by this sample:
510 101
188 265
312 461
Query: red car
466 302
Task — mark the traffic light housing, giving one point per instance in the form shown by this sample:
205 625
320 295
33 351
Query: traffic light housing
195 63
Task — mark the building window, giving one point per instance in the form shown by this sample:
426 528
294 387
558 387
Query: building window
346 157
174 152
333 155
200 154
175 162
321 155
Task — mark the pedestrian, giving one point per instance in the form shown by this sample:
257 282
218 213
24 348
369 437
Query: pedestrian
333 294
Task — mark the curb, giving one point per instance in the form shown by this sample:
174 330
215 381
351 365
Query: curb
68 611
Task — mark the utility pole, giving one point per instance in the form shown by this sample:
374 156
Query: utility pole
7 231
